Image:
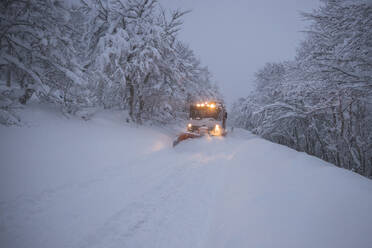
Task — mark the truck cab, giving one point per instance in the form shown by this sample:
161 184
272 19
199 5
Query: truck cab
207 117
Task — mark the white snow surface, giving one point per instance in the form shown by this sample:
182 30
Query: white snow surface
105 183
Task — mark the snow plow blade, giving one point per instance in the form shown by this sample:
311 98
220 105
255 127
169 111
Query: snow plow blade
184 136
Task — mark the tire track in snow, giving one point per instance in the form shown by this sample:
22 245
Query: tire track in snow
23 208
187 193
132 217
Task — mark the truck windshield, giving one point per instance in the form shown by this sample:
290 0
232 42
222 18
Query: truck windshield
205 112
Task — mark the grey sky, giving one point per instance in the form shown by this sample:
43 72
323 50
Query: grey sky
235 38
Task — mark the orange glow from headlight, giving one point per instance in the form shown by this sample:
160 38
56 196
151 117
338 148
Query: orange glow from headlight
212 105
202 104
198 105
217 131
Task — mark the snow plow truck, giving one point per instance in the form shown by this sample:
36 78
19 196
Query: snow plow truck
205 118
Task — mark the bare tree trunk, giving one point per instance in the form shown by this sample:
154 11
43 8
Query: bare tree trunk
9 78
27 95
141 101
342 118
297 139
22 83
322 146
9 72
100 93
131 98
340 138
141 106
336 136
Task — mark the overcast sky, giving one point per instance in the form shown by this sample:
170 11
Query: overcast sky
235 38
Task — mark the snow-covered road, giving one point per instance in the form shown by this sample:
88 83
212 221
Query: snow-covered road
103 184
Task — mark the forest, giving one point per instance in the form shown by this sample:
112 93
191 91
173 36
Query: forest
98 53
320 102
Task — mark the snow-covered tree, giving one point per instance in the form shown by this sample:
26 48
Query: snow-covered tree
37 53
113 53
321 102
134 44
